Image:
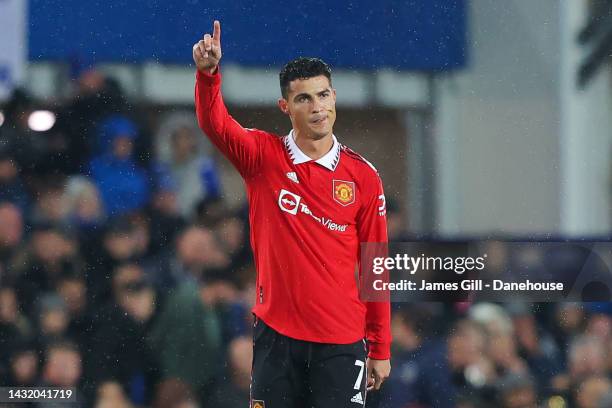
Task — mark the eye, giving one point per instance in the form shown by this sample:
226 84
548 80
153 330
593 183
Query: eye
302 99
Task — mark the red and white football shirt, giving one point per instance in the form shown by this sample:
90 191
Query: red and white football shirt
307 219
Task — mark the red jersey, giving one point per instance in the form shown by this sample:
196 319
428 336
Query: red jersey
308 218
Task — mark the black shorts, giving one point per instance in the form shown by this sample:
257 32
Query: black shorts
289 373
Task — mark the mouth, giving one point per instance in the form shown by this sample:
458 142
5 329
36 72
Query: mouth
319 120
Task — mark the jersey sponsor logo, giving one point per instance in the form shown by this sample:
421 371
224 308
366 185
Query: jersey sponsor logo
291 203
357 398
344 192
293 177
258 404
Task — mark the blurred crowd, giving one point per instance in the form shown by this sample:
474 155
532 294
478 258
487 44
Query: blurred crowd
122 271
124 274
512 355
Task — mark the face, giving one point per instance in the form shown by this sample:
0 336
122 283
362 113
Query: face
74 293
8 306
125 275
11 226
120 246
88 205
54 322
8 170
184 144
522 398
122 147
50 247
311 106
198 247
63 367
24 367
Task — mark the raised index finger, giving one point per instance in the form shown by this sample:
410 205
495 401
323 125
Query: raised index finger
217 32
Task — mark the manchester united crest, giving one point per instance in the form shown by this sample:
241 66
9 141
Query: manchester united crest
258 404
344 192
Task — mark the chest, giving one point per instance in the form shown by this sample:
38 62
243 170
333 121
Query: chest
330 197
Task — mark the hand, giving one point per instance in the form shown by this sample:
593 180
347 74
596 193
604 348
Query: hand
207 51
378 371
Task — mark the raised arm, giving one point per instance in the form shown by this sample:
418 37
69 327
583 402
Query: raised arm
241 146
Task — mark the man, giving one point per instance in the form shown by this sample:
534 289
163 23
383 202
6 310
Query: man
312 202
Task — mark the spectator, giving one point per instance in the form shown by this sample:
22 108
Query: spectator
517 391
187 337
96 98
232 232
504 354
52 251
421 375
599 325
52 319
16 136
233 391
13 328
62 368
184 153
72 289
395 221
23 366
10 313
120 352
122 182
84 204
12 189
163 213
174 393
591 391
50 204
110 394
62 364
569 321
535 345
196 249
11 234
471 367
118 245
586 358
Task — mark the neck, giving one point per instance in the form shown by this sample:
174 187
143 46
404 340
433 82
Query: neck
313 148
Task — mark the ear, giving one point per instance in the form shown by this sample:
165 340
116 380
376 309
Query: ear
334 94
283 106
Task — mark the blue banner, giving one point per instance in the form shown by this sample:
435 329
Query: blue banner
405 35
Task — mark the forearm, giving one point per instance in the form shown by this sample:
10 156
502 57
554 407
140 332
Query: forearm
235 142
210 108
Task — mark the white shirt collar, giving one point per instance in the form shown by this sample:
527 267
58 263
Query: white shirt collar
329 160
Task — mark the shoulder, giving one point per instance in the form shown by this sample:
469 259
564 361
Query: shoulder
356 160
265 136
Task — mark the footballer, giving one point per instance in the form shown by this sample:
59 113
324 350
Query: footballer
312 201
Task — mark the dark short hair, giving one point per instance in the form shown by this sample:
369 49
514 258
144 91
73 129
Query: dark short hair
302 68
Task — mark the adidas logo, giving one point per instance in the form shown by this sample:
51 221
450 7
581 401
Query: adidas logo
357 398
293 177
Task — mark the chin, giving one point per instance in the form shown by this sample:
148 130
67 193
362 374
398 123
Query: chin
318 134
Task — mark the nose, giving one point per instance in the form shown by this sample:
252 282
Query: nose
317 106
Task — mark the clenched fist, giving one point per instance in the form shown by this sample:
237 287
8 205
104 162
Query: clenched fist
207 51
